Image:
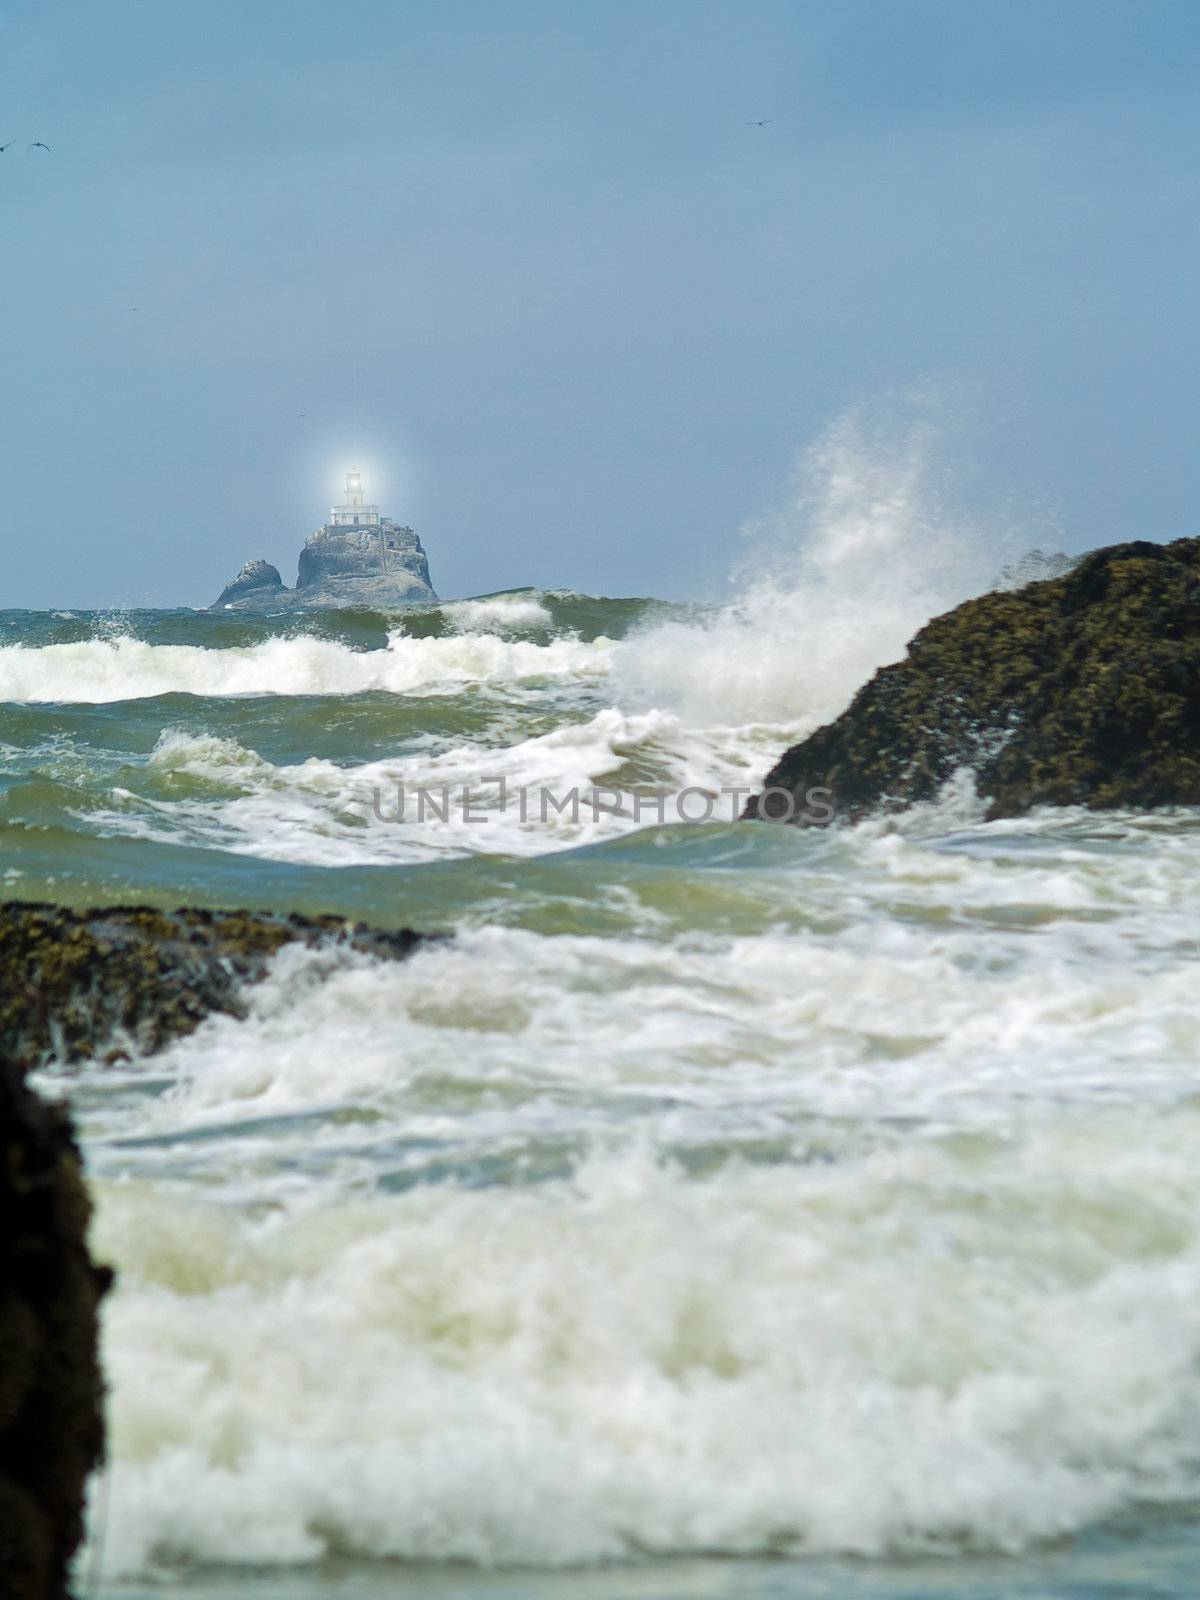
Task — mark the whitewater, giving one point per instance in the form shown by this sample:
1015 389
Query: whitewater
724 1210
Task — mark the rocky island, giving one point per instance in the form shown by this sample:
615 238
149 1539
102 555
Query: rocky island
357 558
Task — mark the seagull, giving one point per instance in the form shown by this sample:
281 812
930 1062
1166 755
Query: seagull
38 145
761 124
4 147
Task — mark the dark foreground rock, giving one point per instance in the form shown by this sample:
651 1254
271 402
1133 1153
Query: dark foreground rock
51 1428
1082 690
76 985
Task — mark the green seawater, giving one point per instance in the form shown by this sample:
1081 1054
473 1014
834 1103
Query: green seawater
724 1210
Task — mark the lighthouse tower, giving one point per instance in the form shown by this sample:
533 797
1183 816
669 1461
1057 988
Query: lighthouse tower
355 513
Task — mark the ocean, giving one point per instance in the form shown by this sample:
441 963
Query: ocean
727 1210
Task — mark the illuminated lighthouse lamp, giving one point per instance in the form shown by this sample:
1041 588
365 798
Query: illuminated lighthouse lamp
355 512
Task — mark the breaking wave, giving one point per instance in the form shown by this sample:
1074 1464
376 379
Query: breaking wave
500 613
104 670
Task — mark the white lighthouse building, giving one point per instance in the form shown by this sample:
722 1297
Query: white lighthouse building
355 513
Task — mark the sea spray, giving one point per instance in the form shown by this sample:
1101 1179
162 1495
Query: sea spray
867 546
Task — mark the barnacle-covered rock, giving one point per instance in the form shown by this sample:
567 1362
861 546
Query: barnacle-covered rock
1080 690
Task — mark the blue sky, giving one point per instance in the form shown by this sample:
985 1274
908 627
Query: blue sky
527 264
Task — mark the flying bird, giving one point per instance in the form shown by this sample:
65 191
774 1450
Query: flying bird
38 145
761 124
4 147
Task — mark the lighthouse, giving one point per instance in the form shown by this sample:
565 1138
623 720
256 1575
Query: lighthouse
358 558
355 513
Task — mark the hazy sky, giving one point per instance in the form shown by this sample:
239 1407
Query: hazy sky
527 264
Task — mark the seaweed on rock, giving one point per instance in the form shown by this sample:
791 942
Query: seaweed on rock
1083 689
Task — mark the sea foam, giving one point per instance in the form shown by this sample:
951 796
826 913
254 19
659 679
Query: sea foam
871 1231
892 1355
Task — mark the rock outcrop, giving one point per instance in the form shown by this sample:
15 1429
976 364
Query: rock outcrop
1080 690
258 583
371 569
78 985
51 1394
377 566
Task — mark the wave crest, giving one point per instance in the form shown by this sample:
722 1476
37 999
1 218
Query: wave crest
96 671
